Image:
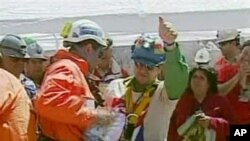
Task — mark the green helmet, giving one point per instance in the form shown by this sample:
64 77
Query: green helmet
14 46
34 50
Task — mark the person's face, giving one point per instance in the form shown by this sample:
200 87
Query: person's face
106 58
145 74
227 48
199 82
92 53
13 65
35 68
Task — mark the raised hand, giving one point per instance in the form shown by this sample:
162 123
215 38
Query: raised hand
166 31
244 74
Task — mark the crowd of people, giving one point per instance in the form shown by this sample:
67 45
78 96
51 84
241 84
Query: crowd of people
82 94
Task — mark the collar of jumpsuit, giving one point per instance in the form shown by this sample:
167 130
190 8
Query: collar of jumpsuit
81 63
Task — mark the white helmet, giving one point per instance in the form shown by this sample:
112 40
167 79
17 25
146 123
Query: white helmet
202 56
227 35
83 30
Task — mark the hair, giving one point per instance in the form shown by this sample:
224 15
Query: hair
211 78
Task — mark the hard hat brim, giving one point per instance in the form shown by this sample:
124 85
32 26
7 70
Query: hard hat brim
86 37
38 56
13 53
225 40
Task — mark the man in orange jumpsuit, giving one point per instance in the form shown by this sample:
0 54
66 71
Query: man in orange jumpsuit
65 104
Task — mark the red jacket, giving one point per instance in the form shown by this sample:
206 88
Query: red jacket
226 71
214 106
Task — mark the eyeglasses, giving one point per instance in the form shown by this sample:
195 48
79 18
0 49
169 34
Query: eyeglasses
145 66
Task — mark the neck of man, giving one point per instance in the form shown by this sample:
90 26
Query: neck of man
104 69
102 72
232 58
16 74
37 81
141 87
82 56
77 53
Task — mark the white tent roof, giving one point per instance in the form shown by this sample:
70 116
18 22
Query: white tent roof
124 20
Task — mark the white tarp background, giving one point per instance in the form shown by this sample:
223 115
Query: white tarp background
124 20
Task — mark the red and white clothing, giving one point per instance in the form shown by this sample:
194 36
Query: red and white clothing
102 79
227 71
154 126
215 106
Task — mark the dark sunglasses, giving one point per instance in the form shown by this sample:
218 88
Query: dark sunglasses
145 66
